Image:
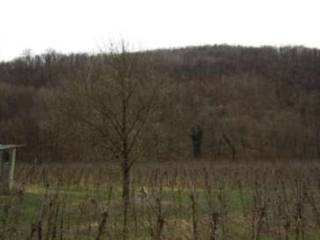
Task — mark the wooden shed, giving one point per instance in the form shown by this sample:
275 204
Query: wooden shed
7 166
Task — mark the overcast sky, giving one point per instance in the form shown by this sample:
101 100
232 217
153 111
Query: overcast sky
86 25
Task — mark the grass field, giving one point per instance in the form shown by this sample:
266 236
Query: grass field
191 200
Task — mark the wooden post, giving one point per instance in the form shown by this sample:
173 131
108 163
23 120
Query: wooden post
1 172
12 166
7 167
1 164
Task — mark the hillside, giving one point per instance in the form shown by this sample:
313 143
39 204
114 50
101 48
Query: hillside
250 102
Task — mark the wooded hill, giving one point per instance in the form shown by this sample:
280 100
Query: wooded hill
250 103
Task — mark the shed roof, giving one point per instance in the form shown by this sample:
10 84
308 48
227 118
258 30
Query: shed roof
10 146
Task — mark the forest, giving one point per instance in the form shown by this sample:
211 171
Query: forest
250 103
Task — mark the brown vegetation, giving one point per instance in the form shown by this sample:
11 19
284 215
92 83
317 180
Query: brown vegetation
251 200
128 108
250 102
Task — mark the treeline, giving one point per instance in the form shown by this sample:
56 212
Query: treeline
250 103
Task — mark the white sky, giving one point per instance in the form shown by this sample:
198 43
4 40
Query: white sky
86 25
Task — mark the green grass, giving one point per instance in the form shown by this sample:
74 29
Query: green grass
176 208
76 205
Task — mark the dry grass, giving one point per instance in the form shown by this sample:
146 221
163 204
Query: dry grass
190 200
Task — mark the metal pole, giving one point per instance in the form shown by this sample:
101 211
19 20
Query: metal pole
12 166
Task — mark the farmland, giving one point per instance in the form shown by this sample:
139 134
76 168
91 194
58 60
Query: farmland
169 200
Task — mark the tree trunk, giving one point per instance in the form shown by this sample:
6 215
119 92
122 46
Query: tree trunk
125 196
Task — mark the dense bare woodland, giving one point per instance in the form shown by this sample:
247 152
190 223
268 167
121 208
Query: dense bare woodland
213 142
249 102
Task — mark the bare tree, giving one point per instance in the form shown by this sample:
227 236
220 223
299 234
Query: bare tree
115 97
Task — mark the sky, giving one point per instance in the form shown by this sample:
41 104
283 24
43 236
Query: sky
89 25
